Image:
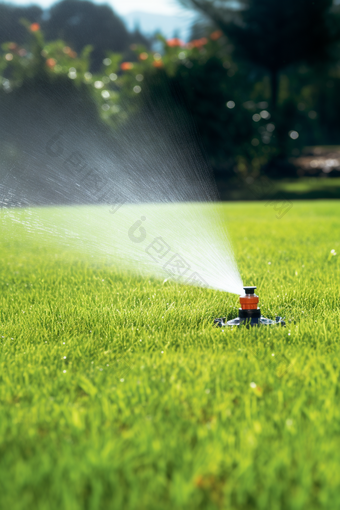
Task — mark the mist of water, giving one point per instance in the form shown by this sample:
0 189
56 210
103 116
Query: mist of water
146 199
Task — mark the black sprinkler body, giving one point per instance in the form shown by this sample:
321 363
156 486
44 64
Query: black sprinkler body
249 314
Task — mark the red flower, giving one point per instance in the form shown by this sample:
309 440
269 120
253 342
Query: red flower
198 43
174 42
34 27
68 51
51 62
216 35
157 63
126 66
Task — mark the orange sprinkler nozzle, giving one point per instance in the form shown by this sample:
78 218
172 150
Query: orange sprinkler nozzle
250 300
249 303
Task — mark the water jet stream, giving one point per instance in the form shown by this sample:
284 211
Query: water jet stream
147 201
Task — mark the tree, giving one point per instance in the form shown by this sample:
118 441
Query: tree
276 34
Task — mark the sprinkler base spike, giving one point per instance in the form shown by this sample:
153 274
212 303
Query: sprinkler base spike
261 321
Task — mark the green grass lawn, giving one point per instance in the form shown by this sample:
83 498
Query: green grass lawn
309 187
116 392
303 188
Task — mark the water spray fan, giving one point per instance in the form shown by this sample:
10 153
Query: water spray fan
249 313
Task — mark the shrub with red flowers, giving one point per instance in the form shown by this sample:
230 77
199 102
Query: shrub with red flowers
40 60
57 65
211 87
226 101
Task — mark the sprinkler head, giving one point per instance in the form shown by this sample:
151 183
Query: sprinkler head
249 314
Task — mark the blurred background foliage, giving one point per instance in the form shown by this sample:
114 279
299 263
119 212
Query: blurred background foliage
261 81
